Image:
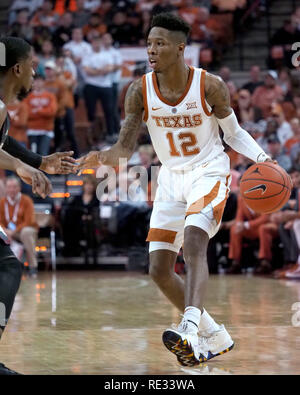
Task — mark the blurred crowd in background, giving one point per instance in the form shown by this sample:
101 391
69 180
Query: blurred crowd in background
74 107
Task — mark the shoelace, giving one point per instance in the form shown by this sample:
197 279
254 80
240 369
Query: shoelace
183 326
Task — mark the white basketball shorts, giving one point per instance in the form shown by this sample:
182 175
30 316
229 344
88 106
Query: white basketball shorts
195 196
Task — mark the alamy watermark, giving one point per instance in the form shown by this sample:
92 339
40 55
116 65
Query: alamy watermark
296 57
139 183
296 317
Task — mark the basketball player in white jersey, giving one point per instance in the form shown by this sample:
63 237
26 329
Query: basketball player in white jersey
183 108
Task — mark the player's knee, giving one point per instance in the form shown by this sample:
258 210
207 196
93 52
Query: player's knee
195 245
159 271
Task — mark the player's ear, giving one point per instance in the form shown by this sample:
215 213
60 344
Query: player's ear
181 48
17 70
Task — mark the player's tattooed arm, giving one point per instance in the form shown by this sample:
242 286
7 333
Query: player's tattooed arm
134 108
217 95
125 145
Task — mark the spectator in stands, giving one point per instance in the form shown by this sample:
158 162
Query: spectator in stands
63 32
18 220
225 73
276 152
233 93
222 237
97 69
82 15
296 103
42 109
146 155
57 86
284 131
296 18
285 37
80 218
146 23
268 93
217 33
245 110
295 139
285 219
95 27
40 35
92 5
132 211
255 79
228 5
18 113
106 10
188 11
256 130
271 129
47 54
123 32
252 226
284 81
295 156
78 46
163 6
21 28
17 5
69 79
201 32
115 53
45 16
63 6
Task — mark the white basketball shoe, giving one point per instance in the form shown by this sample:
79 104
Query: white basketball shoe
213 344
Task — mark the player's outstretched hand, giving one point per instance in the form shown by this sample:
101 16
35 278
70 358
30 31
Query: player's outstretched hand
39 182
59 163
88 161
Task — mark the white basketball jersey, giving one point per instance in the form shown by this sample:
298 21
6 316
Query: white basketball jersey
184 133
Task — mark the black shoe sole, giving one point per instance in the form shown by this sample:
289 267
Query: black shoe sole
181 348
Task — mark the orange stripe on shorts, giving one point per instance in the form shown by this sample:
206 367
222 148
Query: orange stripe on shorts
167 236
199 205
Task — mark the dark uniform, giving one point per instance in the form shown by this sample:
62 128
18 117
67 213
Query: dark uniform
10 267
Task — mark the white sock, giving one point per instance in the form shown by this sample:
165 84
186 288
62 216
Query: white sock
192 314
207 323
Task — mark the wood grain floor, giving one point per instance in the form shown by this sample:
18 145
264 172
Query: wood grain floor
112 322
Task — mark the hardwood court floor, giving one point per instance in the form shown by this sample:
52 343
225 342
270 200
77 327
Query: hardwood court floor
112 322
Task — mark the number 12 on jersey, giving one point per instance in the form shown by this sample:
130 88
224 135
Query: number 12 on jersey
188 142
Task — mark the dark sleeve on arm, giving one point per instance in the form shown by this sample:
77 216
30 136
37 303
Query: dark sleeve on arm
15 149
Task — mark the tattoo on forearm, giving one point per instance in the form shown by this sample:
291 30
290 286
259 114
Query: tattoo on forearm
133 116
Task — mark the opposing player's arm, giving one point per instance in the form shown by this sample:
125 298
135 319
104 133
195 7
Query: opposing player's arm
40 183
218 97
125 145
7 161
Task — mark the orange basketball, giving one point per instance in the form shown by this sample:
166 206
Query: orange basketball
265 187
